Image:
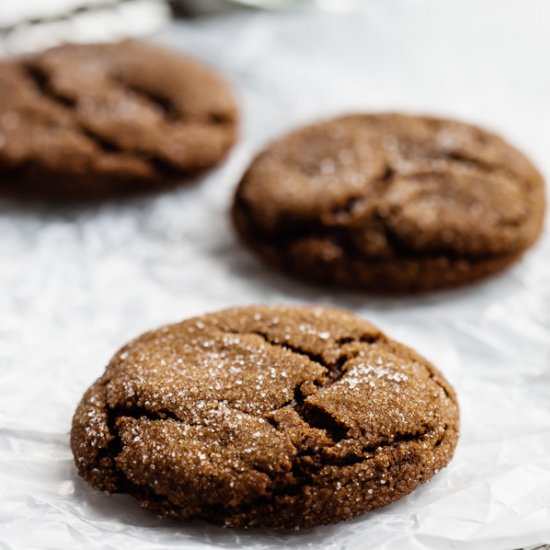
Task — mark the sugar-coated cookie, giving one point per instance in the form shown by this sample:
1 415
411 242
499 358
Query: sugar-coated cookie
85 121
265 416
390 203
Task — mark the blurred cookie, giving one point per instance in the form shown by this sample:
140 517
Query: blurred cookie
390 203
265 416
94 120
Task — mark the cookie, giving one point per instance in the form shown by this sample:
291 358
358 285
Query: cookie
390 203
265 416
95 120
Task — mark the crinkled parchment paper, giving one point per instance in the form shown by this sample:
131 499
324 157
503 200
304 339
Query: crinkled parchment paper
77 282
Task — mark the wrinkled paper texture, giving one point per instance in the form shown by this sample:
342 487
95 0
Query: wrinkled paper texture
77 282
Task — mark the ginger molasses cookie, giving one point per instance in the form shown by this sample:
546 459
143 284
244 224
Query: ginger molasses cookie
265 416
390 203
94 120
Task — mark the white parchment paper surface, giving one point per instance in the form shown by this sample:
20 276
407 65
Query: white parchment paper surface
76 282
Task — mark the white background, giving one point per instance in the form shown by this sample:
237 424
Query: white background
77 282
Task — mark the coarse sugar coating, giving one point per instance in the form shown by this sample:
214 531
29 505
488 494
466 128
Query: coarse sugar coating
81 121
265 416
390 203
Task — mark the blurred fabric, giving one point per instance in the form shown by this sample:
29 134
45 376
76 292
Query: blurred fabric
28 25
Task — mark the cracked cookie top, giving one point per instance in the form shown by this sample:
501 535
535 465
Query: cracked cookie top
390 202
92 119
273 416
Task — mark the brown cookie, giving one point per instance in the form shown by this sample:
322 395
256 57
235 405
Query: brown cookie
93 120
265 416
390 203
